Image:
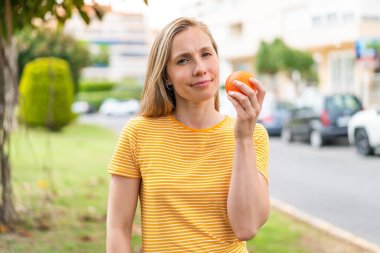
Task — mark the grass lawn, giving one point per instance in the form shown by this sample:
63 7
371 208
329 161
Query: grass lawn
60 185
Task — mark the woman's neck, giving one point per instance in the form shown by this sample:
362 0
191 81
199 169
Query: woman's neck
198 117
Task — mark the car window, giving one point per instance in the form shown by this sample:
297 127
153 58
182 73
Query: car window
285 106
302 112
353 103
337 104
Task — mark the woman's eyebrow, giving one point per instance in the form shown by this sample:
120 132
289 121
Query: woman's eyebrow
187 54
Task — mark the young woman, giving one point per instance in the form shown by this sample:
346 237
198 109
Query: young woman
201 176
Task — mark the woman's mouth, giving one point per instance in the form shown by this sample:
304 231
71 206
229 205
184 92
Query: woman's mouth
201 83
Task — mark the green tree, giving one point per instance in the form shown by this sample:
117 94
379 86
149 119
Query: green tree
265 60
15 15
46 93
102 57
44 42
277 56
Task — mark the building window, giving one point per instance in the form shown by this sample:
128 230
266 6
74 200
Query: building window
332 18
342 72
348 17
371 18
316 20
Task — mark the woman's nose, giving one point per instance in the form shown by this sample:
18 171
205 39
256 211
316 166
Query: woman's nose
200 68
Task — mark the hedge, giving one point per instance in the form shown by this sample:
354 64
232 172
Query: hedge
90 86
46 93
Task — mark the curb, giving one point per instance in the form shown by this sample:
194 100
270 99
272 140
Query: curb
324 226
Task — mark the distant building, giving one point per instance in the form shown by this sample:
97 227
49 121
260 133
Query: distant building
122 35
333 31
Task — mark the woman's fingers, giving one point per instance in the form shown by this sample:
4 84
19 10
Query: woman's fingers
249 97
239 108
250 100
260 90
244 104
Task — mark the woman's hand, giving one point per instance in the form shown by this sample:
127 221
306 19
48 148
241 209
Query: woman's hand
247 107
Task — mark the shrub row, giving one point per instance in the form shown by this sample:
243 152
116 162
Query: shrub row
92 86
95 99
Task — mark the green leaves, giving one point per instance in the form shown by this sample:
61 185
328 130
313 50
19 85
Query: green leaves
33 43
277 56
46 93
266 61
25 13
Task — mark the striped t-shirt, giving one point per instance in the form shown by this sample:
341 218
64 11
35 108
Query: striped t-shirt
185 176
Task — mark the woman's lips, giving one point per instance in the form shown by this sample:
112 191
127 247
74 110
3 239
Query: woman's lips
201 83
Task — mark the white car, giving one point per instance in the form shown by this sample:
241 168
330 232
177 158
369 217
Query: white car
80 107
113 107
364 131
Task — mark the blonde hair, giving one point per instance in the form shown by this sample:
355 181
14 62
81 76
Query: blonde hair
157 100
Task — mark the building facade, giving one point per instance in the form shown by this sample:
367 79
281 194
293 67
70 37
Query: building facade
330 30
124 36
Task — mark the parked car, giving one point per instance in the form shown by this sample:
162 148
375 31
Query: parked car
323 121
82 107
273 115
364 131
114 107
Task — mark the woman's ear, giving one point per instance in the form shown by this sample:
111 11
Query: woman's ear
167 80
166 77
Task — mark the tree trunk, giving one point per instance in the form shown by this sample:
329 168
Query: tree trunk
8 91
7 102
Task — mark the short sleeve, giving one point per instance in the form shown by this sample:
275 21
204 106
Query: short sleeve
124 159
261 140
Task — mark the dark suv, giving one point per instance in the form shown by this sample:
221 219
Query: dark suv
323 121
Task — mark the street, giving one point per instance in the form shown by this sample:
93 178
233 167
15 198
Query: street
113 123
334 184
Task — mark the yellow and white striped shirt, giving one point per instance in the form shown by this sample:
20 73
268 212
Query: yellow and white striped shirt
185 176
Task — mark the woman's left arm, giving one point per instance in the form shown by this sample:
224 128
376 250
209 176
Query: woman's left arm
248 197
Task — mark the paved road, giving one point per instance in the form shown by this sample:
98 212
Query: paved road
333 183
114 123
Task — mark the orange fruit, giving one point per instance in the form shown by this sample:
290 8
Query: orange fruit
242 76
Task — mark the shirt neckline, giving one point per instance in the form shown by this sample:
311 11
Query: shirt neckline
171 116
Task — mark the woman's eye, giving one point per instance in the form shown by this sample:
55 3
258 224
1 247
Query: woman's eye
182 61
206 54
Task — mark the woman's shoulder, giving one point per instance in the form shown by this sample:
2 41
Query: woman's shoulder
229 120
138 122
260 128
261 132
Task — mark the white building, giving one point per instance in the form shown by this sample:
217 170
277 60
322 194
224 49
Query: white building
328 29
124 34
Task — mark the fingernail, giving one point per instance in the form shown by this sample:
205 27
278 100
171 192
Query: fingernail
231 93
236 82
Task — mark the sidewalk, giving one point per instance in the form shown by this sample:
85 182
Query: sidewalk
325 226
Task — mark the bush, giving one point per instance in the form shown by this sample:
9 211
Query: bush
46 93
89 86
96 92
47 42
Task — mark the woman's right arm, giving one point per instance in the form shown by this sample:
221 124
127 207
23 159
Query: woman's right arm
122 202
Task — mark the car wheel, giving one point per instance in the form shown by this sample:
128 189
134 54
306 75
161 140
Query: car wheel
362 142
316 139
287 135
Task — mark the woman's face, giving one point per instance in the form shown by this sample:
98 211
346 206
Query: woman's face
193 67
